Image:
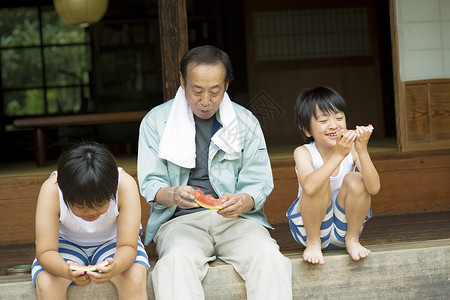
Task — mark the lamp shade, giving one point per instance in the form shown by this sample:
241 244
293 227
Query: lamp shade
81 12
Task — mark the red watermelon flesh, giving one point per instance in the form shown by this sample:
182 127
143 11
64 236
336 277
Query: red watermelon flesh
207 201
91 268
370 127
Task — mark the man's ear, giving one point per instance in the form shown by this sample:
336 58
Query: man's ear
182 81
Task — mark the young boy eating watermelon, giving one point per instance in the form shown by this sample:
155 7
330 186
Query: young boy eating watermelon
88 213
333 200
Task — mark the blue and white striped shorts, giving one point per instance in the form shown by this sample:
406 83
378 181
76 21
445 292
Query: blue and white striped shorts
90 255
332 230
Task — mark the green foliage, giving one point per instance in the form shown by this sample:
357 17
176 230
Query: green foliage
56 31
20 103
63 100
21 67
21 62
60 70
19 27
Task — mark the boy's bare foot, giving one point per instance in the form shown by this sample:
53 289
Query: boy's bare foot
355 250
313 254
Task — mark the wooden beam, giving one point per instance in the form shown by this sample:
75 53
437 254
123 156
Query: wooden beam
39 125
174 42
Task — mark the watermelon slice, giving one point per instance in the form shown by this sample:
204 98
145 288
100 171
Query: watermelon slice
207 201
370 127
91 268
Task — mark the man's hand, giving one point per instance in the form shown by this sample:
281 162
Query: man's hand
235 204
182 196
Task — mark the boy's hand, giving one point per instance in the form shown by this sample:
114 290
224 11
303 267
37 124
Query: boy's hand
363 136
79 277
104 274
345 141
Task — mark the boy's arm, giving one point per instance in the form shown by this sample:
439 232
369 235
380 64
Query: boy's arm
47 230
128 223
364 162
312 180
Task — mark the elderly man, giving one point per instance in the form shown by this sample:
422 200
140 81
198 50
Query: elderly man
202 140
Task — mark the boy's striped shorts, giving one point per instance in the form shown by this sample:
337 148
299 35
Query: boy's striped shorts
89 255
332 230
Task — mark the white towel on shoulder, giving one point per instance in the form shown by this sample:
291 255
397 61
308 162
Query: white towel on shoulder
178 141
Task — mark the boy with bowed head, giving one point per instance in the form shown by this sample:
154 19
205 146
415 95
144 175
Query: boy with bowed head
203 140
88 213
333 199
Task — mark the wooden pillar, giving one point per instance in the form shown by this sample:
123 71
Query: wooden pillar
40 146
174 42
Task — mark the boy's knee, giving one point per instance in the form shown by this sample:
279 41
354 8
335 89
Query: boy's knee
48 285
355 183
132 283
43 283
138 275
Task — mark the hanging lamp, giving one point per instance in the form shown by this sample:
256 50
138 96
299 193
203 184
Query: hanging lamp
81 12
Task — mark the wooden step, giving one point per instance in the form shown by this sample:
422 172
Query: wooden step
416 270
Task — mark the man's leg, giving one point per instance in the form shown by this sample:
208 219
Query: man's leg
247 246
184 248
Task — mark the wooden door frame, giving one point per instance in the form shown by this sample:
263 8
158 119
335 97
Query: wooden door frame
399 87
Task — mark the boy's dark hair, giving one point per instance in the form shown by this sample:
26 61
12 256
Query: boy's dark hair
206 55
326 99
88 175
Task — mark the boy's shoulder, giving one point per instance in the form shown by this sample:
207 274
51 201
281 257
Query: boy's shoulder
49 191
51 182
126 179
301 148
302 151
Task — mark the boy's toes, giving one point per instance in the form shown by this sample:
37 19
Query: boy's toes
364 253
357 251
313 255
321 261
315 260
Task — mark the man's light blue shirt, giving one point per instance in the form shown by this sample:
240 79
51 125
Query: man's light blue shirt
251 173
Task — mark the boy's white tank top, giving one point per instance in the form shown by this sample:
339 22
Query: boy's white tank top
347 165
85 233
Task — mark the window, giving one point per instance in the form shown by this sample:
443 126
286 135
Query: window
311 34
44 64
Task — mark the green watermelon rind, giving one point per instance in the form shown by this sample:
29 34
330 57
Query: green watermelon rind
207 206
90 268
